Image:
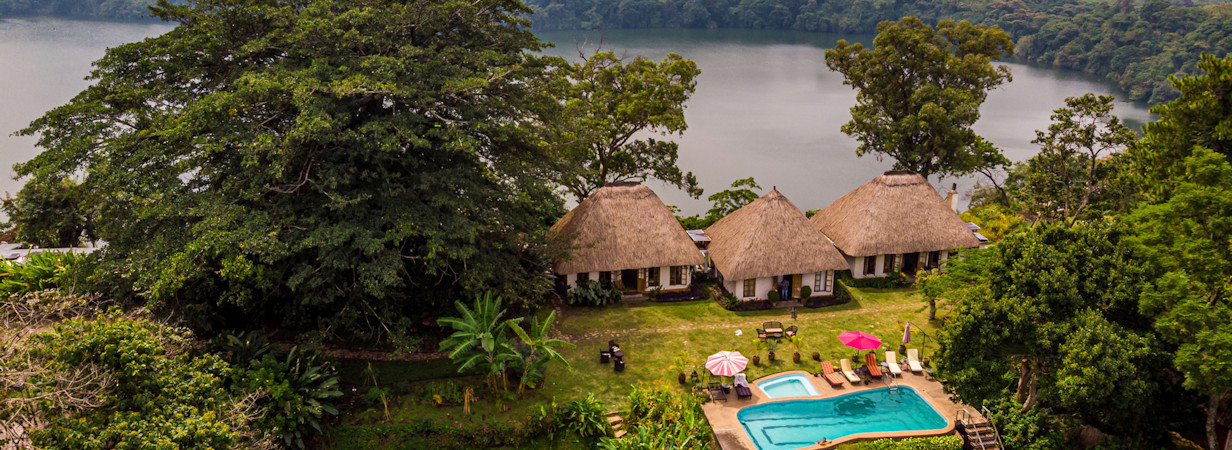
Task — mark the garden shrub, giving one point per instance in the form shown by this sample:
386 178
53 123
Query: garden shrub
894 279
950 442
661 416
728 301
41 271
591 293
124 383
842 292
1036 428
428 434
294 388
586 418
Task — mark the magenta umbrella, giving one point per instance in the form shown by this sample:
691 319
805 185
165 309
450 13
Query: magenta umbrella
859 340
726 364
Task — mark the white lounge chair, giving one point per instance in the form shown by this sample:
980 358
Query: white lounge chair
913 360
845 363
892 363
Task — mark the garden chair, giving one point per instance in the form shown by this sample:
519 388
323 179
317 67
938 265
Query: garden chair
892 364
773 329
827 370
716 391
845 363
913 360
791 330
742 386
761 334
870 363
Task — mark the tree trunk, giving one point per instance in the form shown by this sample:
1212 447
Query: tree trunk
1212 412
1024 377
932 309
1032 396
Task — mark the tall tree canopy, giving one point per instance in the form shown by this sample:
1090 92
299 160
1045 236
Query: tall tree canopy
312 163
920 91
1050 318
1190 238
1071 171
1201 116
607 102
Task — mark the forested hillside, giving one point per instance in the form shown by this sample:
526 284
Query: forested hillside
1136 47
93 9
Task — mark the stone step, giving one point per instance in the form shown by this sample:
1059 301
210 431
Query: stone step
620 434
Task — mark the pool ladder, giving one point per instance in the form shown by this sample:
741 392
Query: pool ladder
889 382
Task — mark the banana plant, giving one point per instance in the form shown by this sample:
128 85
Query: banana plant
542 348
480 339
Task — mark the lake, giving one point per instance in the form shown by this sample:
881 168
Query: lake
766 106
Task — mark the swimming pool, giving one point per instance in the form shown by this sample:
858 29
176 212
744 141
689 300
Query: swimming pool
800 423
793 385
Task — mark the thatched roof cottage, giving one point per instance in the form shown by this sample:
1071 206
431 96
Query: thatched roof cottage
770 245
623 234
894 222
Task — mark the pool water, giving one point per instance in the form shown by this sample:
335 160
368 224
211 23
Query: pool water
794 385
800 423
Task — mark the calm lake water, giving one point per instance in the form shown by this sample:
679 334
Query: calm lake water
765 106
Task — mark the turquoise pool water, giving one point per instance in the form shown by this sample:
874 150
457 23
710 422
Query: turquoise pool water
799 423
794 385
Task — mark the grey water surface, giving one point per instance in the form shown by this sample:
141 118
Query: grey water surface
766 105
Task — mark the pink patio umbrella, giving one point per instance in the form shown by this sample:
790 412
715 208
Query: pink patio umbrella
726 364
859 340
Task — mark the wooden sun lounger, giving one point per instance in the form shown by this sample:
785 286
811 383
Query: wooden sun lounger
827 371
845 363
913 360
741 384
870 363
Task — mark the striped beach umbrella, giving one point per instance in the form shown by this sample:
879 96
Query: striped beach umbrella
726 364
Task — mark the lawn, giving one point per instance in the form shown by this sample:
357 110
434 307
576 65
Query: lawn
650 334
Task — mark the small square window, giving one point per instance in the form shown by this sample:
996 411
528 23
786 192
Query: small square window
583 277
870 265
750 287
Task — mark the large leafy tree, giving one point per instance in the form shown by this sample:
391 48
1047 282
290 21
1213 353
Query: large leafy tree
1201 116
920 91
51 213
1071 172
1050 319
1190 237
311 163
608 103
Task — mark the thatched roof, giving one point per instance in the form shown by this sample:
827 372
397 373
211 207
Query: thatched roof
623 226
897 212
770 237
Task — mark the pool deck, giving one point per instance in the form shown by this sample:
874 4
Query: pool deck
731 435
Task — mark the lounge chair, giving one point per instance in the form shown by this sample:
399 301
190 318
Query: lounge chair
870 363
773 329
742 386
913 360
845 363
791 330
716 391
827 370
892 364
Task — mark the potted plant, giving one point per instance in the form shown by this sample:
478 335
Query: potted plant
771 345
805 293
758 345
680 363
797 344
773 296
816 355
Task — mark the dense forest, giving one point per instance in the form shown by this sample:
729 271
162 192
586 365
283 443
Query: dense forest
93 9
1135 46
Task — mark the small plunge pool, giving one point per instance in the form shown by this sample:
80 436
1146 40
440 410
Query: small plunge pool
791 385
801 423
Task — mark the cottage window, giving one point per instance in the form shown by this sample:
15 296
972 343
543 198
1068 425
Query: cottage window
819 281
583 277
605 279
652 276
750 287
870 265
677 275
889 264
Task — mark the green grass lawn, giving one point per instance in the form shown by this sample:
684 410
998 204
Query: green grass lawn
651 334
